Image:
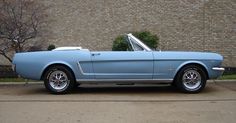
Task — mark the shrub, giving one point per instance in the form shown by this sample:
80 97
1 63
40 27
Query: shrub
51 47
151 40
146 37
120 44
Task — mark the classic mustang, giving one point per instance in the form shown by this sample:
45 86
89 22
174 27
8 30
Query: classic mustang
65 67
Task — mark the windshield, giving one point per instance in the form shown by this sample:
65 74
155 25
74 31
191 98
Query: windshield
136 47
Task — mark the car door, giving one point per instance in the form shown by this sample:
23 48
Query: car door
122 64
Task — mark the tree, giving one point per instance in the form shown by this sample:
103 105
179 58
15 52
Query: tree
21 21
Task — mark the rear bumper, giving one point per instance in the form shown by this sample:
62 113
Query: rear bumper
13 67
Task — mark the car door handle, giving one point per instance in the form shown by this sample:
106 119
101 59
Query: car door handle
96 54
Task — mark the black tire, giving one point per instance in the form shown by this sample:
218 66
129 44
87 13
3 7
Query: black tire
76 85
60 86
191 79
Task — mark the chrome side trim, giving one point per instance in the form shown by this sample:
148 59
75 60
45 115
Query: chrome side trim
125 80
218 68
81 70
67 48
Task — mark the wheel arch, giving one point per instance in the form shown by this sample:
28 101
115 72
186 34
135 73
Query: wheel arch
56 64
199 64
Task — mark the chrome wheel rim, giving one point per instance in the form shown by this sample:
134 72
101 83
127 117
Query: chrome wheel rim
192 79
58 80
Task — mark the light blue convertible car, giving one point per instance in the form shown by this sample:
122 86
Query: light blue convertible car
66 67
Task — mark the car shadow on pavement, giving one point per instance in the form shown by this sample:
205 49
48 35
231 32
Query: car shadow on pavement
106 90
40 89
124 90
133 90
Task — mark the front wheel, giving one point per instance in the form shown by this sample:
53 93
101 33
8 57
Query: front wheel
191 79
59 80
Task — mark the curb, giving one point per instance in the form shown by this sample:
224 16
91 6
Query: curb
41 82
21 83
221 80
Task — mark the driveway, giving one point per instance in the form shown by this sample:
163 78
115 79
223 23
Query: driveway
102 104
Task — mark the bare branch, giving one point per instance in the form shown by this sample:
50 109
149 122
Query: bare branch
7 57
20 22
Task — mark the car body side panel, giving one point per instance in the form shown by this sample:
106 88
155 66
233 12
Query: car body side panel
123 65
167 64
165 69
31 65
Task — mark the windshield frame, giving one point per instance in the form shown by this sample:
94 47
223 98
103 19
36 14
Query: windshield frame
132 39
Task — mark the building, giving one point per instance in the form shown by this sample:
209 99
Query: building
189 25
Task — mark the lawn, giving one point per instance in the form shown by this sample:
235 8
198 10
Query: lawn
228 77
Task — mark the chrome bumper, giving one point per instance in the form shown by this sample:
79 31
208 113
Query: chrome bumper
218 69
13 67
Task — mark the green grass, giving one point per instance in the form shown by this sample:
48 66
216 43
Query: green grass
228 77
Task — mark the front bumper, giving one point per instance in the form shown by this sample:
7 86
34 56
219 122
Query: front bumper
218 69
217 72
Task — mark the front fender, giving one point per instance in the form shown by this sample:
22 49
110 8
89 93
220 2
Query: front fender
191 62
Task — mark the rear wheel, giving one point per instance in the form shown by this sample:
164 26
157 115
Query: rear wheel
59 80
191 79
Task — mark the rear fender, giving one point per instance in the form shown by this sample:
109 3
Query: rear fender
44 69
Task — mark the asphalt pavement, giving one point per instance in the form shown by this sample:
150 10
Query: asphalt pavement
31 103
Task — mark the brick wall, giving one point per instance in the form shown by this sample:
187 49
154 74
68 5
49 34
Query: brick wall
189 25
